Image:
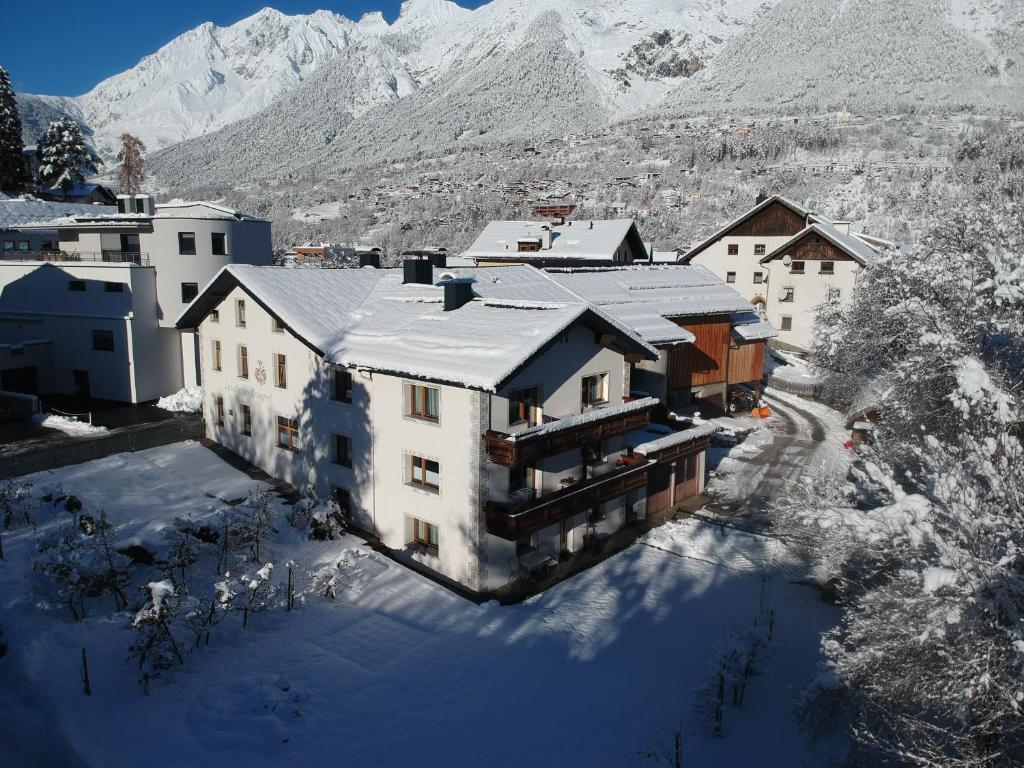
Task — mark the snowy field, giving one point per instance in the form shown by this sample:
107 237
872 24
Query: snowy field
397 670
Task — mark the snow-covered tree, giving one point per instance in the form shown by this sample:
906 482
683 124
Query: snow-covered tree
156 649
64 157
13 174
926 547
130 168
17 506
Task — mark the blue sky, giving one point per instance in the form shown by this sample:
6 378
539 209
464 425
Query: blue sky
65 47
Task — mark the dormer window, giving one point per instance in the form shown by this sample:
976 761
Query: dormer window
529 245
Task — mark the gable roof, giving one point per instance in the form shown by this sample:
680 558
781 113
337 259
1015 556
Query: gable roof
644 298
596 240
850 244
793 206
367 318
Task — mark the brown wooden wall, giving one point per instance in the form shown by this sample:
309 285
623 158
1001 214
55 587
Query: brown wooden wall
703 361
814 247
746 362
774 221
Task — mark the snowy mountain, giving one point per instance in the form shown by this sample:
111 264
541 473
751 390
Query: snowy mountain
874 55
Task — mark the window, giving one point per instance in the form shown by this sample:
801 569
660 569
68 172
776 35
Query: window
188 292
758 278
276 325
787 294
424 473
23 245
246 420
214 315
730 277
8 245
787 323
287 433
797 267
529 246
103 341
140 205
834 294
522 406
827 268
219 244
522 480
243 361
113 287
76 285
215 348
734 249
594 389
424 535
280 371
240 313
187 243
341 451
218 410
424 402
342 386
759 249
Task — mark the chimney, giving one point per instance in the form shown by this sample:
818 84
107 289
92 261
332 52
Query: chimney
457 293
545 238
842 226
144 204
369 259
439 258
124 204
417 269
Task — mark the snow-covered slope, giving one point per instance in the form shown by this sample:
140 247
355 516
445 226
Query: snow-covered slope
816 55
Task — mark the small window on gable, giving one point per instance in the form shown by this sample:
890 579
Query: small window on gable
733 249
827 268
276 325
759 249
342 386
240 313
797 267
594 389
280 371
523 407
214 315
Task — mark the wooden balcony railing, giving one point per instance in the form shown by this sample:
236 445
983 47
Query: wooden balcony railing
508 451
511 521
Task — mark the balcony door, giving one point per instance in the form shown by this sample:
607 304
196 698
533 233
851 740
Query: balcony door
687 485
659 488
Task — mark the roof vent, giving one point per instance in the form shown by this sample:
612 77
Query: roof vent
369 259
439 258
457 293
417 269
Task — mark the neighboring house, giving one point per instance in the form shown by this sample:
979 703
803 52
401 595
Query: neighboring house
103 298
79 193
709 338
475 420
558 242
819 264
740 253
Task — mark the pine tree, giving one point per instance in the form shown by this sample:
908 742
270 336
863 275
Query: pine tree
64 156
12 164
130 172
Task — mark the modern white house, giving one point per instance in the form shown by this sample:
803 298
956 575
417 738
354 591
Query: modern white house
740 253
556 240
93 312
477 421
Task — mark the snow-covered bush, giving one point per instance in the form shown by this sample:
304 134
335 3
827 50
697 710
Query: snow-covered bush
155 647
78 559
246 526
17 504
256 593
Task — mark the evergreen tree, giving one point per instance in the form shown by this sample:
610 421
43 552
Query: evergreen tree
64 156
130 172
12 164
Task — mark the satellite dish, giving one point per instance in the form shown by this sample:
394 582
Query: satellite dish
783 293
787 259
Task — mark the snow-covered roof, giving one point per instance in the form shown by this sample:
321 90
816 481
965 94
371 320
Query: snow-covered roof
664 257
587 417
850 244
368 318
644 298
718 235
596 240
750 326
15 211
683 437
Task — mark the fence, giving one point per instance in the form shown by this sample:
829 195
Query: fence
124 440
812 389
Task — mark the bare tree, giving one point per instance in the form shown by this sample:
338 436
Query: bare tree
130 171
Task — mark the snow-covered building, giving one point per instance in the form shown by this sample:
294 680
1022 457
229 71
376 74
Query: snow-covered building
749 254
709 338
477 421
96 294
558 242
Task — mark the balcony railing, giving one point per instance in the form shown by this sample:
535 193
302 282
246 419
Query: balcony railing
522 517
567 434
108 257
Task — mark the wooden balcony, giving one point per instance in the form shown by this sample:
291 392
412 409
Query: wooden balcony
511 521
556 437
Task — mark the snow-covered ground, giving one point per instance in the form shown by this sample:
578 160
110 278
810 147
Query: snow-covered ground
399 671
67 425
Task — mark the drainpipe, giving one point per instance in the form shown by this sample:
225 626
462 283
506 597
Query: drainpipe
131 356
